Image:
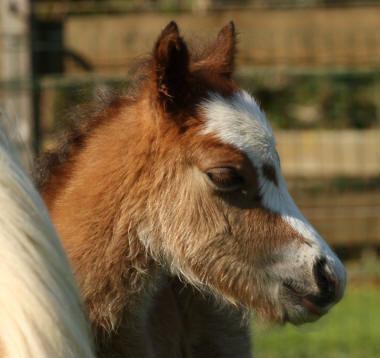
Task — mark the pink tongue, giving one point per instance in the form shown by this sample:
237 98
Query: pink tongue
311 307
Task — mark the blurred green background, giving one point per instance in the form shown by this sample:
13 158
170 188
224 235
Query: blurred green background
314 67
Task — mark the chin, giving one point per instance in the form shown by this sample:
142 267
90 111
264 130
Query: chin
298 315
302 309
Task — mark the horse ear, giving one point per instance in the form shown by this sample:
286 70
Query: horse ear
171 65
221 55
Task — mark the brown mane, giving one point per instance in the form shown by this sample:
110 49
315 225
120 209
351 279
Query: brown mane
83 119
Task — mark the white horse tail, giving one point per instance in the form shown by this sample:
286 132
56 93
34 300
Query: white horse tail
41 312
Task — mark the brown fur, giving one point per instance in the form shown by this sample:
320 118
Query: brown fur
132 204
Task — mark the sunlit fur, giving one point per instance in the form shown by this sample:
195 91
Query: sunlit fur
154 242
41 313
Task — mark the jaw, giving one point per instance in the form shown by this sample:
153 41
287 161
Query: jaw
301 311
293 307
265 295
281 312
277 292
273 302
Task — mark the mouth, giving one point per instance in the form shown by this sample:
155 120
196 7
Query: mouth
312 307
306 307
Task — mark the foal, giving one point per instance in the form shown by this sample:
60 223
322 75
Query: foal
171 201
41 313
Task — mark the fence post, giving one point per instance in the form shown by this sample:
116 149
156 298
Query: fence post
15 68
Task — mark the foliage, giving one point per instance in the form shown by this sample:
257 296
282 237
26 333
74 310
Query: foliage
291 101
331 101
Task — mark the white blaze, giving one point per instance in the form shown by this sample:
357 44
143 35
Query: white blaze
238 121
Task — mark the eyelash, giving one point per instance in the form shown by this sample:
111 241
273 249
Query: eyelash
225 178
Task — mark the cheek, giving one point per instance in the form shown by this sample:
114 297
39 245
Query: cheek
191 216
261 233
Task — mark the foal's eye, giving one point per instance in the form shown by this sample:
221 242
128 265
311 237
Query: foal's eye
225 178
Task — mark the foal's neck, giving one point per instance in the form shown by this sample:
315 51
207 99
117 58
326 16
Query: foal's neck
96 199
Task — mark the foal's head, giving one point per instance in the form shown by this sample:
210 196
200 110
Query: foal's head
218 211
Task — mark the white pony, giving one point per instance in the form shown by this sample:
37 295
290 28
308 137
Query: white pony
41 312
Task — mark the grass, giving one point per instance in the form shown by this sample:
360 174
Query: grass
350 330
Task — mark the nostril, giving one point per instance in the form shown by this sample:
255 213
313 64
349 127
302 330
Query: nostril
326 282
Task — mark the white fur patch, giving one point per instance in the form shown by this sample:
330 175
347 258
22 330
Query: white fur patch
41 309
238 121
